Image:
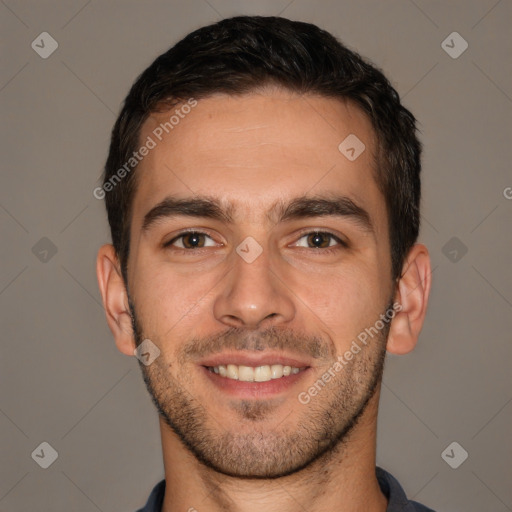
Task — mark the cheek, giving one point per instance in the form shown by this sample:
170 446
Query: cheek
168 302
341 303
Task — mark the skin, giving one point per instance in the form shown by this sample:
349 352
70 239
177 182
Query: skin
264 453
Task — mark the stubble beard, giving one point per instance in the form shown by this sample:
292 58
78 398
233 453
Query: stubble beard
320 428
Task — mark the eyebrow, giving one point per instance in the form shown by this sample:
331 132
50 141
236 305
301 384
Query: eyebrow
298 208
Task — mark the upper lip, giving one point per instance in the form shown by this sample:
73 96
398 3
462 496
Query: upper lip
253 359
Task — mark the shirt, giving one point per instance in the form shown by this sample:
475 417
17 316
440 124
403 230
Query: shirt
397 500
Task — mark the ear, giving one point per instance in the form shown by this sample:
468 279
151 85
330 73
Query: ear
115 299
413 289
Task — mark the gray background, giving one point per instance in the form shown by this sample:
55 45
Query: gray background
63 381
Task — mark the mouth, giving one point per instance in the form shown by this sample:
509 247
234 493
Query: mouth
255 374
250 375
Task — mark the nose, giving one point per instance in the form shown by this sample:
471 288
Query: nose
254 295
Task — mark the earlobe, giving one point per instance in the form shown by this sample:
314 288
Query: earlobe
413 289
115 299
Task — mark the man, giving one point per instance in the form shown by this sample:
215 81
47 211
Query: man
263 191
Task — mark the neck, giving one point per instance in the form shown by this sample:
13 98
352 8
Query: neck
343 479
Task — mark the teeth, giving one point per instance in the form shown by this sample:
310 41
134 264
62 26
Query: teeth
232 372
262 373
245 373
254 374
276 371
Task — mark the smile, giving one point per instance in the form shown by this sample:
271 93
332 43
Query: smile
254 373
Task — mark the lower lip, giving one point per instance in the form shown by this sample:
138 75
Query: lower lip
242 389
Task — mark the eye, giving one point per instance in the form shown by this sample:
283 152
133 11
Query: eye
321 240
324 240
190 240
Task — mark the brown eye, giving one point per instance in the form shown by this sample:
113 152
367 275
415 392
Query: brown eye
321 240
190 240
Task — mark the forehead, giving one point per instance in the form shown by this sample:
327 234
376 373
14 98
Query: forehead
255 149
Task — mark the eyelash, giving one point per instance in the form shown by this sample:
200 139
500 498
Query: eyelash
328 250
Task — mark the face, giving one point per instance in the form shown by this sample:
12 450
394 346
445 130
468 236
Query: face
259 252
